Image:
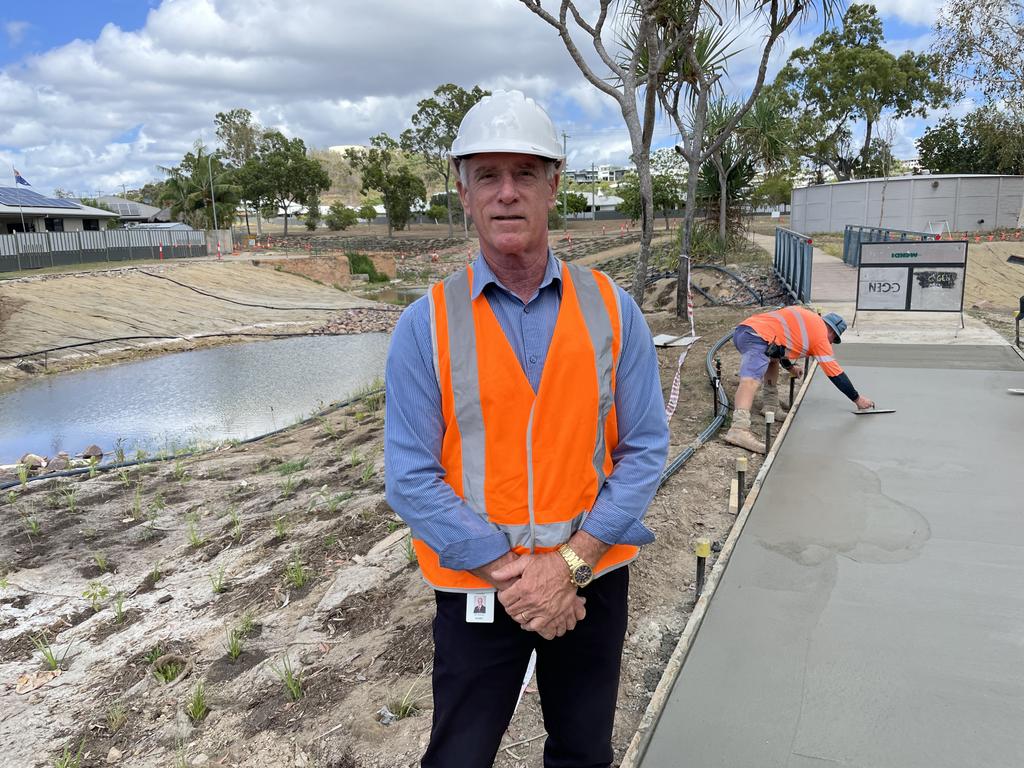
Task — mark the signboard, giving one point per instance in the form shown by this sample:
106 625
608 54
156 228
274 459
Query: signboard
926 276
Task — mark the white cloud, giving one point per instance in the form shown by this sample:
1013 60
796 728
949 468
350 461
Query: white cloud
15 31
918 13
332 73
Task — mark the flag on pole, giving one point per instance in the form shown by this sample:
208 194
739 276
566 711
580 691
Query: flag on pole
18 178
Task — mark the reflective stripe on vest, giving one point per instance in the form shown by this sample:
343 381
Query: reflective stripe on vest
530 464
781 316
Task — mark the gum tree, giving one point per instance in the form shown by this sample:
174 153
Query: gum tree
434 127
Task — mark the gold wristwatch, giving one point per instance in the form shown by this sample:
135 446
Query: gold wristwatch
580 574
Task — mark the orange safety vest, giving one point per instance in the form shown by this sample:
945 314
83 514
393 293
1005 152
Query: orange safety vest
801 331
531 464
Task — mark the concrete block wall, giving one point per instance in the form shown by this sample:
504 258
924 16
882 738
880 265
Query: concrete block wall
920 203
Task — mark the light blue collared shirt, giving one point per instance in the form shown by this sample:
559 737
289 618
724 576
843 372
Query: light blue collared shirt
413 429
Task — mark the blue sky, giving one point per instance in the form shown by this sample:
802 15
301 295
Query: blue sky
41 26
100 93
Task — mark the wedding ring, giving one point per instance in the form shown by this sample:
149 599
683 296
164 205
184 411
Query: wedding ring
524 616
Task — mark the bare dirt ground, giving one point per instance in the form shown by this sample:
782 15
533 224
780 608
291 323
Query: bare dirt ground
286 549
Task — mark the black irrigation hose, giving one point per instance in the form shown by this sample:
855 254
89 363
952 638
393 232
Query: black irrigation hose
263 306
707 296
121 465
757 297
166 338
721 409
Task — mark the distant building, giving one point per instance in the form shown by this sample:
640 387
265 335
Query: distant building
605 204
131 212
600 173
22 210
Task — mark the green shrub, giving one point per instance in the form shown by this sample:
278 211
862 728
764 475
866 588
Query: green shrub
340 216
361 264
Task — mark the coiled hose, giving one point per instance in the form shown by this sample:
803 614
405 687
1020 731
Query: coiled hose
757 297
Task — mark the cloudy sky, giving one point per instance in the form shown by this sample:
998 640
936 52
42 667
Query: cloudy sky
98 94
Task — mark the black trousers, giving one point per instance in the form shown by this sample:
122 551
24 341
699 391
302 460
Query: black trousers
479 668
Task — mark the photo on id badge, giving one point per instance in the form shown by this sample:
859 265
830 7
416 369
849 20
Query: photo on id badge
480 607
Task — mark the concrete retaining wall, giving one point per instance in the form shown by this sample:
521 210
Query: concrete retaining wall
968 203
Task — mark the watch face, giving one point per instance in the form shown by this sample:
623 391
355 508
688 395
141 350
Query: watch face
582 574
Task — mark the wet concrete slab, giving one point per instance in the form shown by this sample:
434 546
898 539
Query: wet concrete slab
872 613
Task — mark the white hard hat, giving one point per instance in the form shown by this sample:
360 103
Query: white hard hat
507 121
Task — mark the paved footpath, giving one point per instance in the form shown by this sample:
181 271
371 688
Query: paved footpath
872 611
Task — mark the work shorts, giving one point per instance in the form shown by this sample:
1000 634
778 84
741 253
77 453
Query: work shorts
753 350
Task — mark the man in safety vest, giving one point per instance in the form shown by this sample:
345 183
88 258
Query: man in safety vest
771 339
524 438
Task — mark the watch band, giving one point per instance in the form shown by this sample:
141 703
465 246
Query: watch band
580 572
573 560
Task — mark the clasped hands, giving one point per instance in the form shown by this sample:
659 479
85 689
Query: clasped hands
536 592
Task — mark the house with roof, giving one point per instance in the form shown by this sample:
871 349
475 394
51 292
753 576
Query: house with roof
131 212
22 210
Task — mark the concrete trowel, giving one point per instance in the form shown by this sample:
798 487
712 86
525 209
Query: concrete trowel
867 411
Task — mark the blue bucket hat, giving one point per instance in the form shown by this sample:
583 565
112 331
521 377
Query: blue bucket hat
837 324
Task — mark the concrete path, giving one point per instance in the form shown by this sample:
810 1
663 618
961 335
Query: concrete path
831 279
872 611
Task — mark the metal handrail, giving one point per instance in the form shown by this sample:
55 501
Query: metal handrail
793 261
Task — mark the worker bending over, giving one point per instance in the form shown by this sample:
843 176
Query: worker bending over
768 340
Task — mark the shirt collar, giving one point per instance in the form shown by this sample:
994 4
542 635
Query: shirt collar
483 275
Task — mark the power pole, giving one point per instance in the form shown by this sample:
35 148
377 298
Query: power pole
565 204
593 193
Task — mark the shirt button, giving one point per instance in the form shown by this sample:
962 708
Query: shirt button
526 310
533 358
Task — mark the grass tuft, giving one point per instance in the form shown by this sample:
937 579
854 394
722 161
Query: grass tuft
235 644
290 467
69 759
195 537
288 487
247 624
407 706
217 581
50 660
154 653
168 671
32 526
291 679
70 497
102 563
295 573
236 524
197 708
117 716
119 614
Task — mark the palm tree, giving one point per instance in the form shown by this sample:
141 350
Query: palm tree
760 140
190 194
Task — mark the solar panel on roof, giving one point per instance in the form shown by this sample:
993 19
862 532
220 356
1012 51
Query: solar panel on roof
29 199
125 209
